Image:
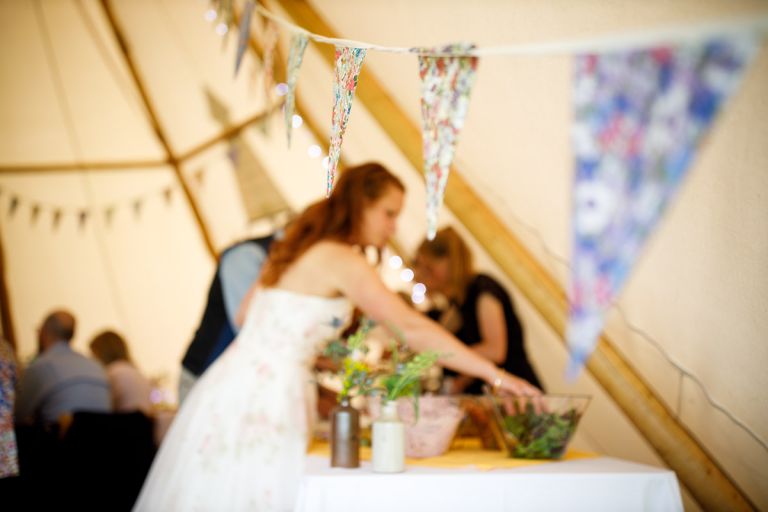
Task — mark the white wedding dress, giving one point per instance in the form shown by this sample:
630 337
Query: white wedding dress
239 441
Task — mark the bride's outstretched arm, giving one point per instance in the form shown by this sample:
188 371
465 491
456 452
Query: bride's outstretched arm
355 278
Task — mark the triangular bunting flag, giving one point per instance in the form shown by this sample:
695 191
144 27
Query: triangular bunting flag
35 213
270 45
348 64
295 57
446 83
14 204
245 33
56 218
639 119
109 213
82 218
137 204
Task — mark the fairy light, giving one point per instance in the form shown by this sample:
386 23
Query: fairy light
417 299
395 262
222 28
210 15
419 289
296 121
326 162
406 275
281 89
314 151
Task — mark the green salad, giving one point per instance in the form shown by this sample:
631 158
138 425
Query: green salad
540 435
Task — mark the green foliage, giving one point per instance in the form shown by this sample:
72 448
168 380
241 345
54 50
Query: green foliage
543 435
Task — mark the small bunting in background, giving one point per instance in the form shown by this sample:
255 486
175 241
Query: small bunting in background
109 214
271 36
232 152
137 205
199 176
57 213
244 34
446 83
35 213
82 218
168 195
13 205
347 70
639 118
295 58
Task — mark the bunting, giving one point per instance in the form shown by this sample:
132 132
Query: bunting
639 119
244 33
347 70
446 83
295 57
270 45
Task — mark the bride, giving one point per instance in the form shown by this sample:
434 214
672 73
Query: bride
239 441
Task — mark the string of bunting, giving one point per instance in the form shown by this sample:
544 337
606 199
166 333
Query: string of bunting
57 211
643 103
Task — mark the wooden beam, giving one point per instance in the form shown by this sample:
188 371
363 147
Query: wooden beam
699 472
230 132
84 166
153 119
5 303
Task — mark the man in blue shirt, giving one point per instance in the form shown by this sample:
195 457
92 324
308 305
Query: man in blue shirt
60 381
238 268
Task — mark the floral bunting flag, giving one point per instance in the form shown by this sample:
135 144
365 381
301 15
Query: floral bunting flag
348 64
295 57
445 86
639 117
270 45
245 32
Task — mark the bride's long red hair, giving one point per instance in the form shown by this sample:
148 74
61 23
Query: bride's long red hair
337 217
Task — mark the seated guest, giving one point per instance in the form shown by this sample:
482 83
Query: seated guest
9 462
60 381
130 389
480 312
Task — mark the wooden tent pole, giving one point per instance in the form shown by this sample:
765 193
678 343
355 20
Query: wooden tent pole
699 472
172 160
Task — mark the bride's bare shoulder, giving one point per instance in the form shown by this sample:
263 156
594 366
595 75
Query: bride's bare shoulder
334 250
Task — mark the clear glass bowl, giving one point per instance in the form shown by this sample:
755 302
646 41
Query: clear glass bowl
536 428
430 434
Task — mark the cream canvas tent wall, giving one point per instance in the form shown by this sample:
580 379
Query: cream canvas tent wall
118 188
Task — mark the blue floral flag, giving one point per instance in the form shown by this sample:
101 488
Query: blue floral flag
639 117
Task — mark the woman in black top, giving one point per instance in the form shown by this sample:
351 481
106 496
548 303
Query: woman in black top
480 311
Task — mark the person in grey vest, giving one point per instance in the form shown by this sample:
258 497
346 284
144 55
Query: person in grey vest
60 381
238 268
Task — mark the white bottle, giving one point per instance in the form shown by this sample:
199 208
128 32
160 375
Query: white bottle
388 440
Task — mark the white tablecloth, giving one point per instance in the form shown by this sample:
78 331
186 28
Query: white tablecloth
593 484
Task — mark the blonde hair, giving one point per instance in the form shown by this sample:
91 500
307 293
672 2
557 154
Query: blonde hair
447 244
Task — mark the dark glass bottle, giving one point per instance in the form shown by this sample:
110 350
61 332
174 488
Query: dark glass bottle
345 436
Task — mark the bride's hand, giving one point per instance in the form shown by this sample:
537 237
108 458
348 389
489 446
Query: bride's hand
505 381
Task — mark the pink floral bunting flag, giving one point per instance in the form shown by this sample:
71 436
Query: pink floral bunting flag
446 83
295 57
348 64
245 32
639 118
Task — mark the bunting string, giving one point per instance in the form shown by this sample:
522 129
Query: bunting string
679 34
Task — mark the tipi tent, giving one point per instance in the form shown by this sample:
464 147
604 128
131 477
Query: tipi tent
131 155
